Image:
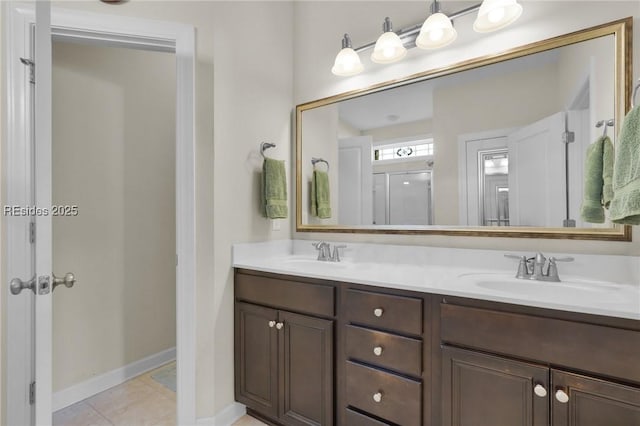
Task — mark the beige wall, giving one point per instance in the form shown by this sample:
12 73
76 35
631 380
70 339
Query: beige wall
317 24
113 157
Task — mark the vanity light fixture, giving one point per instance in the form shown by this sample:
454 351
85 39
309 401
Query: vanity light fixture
437 31
496 14
347 62
389 48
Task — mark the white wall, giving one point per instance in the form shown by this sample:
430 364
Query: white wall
113 157
319 27
321 128
477 106
244 96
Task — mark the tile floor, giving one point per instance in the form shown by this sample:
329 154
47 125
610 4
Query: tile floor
248 421
138 402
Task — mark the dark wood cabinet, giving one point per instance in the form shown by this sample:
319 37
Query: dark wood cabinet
593 402
256 360
486 390
306 370
311 352
284 360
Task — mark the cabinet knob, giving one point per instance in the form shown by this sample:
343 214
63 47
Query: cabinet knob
272 324
562 396
377 351
540 391
377 397
279 325
378 312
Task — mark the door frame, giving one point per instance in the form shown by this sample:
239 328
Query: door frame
16 170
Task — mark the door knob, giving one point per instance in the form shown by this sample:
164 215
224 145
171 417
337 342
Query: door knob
68 280
377 351
562 396
540 391
378 312
17 285
377 397
279 325
272 324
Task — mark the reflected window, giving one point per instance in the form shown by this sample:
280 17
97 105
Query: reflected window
420 148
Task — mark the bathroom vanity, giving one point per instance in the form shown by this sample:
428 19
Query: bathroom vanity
315 351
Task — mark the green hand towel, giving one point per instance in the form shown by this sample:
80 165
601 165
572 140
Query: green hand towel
607 172
320 196
625 206
275 188
591 210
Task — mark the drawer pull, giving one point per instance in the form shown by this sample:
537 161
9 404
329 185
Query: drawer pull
378 312
562 396
377 397
272 324
377 351
540 391
279 325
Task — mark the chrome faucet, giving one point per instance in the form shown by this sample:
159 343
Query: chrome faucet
324 251
533 268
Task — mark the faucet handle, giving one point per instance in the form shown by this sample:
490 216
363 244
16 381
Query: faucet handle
336 253
523 270
318 244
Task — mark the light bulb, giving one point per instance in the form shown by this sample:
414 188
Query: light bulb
496 15
437 31
436 34
389 48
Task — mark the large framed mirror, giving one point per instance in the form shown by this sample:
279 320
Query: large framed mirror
494 146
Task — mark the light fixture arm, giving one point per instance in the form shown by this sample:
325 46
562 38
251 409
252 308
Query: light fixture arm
409 34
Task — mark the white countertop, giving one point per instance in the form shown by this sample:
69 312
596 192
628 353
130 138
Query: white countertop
592 284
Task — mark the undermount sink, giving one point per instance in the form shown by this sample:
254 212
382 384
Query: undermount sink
565 290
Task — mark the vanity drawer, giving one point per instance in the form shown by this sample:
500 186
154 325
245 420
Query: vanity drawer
398 353
395 313
400 397
609 351
296 296
353 418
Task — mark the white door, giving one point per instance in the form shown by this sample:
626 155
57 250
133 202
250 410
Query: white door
43 240
355 181
537 174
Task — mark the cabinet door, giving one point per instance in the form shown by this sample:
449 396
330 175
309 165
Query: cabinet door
306 370
593 402
256 360
486 390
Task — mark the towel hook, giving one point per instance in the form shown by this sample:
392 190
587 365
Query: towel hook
264 146
315 161
635 92
606 124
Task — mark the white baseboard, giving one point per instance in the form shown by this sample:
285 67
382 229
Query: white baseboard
97 384
228 416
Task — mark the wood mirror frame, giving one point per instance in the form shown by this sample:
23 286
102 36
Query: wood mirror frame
620 29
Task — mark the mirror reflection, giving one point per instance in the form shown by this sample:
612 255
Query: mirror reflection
502 145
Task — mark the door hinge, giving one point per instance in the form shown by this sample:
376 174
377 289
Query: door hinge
32 69
32 393
32 232
568 137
